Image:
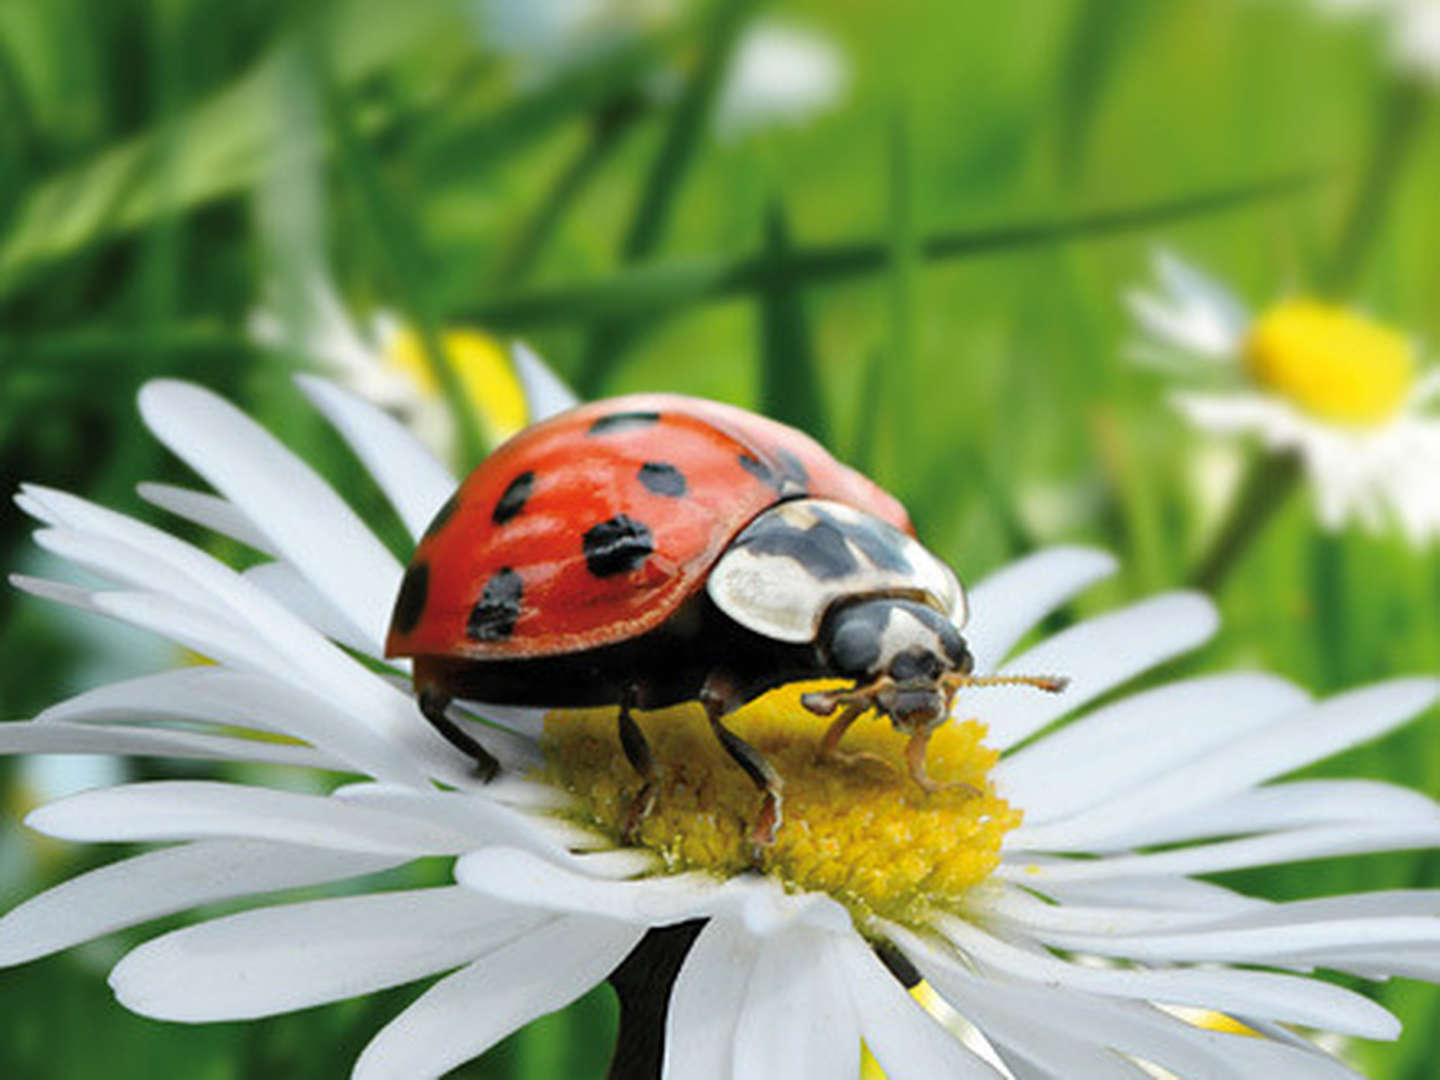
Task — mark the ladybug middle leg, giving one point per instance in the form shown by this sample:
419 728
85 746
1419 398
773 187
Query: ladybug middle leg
642 760
434 705
719 696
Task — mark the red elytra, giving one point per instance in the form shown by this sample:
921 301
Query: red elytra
595 526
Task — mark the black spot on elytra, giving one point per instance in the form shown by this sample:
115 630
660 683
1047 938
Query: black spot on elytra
788 481
758 469
616 546
623 421
794 468
513 500
443 515
410 604
493 617
663 479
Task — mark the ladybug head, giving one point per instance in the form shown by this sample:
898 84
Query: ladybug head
907 660
904 649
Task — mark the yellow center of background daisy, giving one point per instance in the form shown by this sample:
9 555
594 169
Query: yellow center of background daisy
486 376
864 834
1331 362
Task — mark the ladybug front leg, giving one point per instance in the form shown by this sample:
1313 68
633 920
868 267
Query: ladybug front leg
642 760
434 705
719 697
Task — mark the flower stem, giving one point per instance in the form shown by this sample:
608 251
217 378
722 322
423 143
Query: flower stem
1270 482
1401 114
643 982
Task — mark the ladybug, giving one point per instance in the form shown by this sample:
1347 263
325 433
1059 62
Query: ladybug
654 549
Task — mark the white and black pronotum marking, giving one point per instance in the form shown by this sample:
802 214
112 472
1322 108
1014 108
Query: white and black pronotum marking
788 566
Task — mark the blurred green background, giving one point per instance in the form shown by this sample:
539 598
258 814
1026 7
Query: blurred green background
927 275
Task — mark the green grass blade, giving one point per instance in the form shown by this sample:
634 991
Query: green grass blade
1100 33
789 378
608 128
654 208
669 286
407 267
898 401
223 142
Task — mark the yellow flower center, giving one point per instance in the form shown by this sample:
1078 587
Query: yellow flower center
863 833
486 376
1331 362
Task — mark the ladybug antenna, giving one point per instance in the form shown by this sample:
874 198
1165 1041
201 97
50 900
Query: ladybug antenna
1052 684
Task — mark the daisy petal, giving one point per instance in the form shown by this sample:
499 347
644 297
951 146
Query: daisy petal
545 392
707 999
1007 1010
232 698
279 959
286 499
797 1020
1119 745
905 1039
288 588
518 877
1294 845
50 737
406 471
1309 735
163 882
1286 998
191 809
1257 945
1293 805
210 511
1010 601
521 878
1097 655
466 1013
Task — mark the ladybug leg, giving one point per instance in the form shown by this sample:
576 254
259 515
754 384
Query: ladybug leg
642 760
434 705
915 758
829 749
719 698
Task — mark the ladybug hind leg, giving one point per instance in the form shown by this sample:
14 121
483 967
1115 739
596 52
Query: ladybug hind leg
642 760
435 705
719 697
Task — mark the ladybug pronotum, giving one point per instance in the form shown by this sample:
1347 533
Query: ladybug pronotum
654 549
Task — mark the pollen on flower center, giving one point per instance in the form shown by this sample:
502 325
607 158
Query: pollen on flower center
863 833
1331 362
485 373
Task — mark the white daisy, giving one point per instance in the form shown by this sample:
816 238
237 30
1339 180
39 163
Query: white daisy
386 363
1122 808
1346 394
1413 28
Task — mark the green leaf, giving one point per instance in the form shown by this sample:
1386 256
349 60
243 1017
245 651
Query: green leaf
789 378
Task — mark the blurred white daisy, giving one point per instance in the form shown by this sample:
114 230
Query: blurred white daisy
1412 26
1348 395
1086 841
386 363
781 74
